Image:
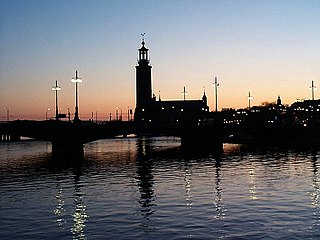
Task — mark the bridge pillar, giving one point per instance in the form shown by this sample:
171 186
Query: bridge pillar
66 149
202 138
15 138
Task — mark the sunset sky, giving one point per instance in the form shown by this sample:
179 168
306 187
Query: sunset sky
265 47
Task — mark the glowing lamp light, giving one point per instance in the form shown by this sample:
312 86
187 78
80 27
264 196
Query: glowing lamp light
56 88
76 80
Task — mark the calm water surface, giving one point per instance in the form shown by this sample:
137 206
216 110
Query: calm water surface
152 189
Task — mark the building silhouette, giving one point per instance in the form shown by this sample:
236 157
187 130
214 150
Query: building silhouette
150 110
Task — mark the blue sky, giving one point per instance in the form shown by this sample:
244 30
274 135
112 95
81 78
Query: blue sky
266 47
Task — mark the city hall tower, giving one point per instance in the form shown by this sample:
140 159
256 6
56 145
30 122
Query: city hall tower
143 81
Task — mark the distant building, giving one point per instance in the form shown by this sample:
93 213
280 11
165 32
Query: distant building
149 110
305 112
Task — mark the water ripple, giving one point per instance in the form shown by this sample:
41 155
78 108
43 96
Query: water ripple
151 188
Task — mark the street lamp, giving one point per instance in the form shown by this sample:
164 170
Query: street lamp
250 97
312 88
128 113
120 113
48 109
76 80
68 113
8 116
97 114
184 93
56 89
117 114
216 85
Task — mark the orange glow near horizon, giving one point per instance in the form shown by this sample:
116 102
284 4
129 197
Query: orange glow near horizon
26 105
267 48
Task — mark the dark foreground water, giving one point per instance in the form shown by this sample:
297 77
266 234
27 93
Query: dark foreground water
151 189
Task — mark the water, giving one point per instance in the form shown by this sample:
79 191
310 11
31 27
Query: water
152 189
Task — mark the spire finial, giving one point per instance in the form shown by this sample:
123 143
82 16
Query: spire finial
142 35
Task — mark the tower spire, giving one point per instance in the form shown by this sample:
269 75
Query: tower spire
204 97
143 52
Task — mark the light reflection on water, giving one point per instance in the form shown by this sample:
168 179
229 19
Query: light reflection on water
151 188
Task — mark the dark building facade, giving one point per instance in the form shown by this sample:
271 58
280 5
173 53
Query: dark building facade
149 110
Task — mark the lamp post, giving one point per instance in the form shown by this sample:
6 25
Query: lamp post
68 113
249 99
56 89
184 93
120 118
8 115
76 80
216 85
312 88
128 113
117 114
48 109
97 114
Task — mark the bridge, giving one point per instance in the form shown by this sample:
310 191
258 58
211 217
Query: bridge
64 136
71 136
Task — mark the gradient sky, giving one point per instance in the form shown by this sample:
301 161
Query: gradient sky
265 47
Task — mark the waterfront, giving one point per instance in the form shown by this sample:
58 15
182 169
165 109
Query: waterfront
150 188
